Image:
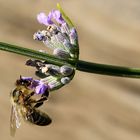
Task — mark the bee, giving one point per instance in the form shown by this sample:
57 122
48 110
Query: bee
24 106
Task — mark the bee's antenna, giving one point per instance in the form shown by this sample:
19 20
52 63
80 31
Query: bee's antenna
20 77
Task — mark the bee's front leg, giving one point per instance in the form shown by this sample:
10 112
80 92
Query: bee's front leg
26 98
38 104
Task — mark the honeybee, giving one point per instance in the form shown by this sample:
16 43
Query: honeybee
24 106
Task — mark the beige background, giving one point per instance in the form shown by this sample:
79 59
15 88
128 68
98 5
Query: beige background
91 106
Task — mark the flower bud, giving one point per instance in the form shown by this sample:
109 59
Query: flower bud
59 52
58 39
65 28
66 70
40 36
35 63
65 80
68 46
50 69
73 36
54 71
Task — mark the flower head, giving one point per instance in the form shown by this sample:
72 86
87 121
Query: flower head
59 35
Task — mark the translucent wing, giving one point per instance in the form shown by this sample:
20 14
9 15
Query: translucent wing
15 120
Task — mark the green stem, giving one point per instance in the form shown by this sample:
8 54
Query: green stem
105 69
81 65
32 53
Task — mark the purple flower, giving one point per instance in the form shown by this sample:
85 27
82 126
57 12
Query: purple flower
53 16
38 86
41 88
57 16
43 19
73 33
39 36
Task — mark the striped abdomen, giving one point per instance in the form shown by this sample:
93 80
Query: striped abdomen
37 117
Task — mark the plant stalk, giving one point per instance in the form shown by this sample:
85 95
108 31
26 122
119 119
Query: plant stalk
80 65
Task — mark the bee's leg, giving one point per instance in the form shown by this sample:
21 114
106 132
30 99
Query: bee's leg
40 102
38 105
28 96
43 98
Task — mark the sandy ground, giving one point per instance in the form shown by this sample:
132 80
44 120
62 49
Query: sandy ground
91 106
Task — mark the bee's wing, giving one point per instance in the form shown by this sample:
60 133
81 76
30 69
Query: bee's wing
15 120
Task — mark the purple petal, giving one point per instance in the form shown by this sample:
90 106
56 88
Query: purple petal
41 88
42 19
38 36
58 16
34 84
73 36
73 33
50 17
27 78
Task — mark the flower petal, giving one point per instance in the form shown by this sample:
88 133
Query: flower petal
41 88
43 19
27 78
58 16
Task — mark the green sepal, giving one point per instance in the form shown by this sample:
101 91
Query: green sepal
66 18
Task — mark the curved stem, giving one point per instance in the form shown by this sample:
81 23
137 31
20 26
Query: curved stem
81 65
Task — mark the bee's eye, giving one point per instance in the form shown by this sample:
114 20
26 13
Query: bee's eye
23 82
28 83
16 93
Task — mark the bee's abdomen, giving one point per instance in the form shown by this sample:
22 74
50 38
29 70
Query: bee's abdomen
39 118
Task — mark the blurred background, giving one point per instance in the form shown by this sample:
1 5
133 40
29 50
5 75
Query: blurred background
92 106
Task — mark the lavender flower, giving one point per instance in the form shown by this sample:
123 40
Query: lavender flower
58 35
48 20
41 87
61 36
43 19
53 75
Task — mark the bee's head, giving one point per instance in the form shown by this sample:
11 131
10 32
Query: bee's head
23 82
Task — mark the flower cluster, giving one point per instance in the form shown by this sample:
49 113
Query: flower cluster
61 36
58 35
52 75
